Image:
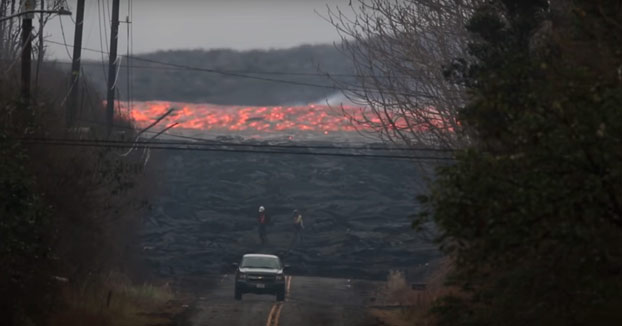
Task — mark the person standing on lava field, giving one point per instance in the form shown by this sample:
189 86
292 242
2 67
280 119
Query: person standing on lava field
298 226
263 220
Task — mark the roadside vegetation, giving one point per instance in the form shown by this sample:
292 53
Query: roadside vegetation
402 305
116 300
530 211
68 214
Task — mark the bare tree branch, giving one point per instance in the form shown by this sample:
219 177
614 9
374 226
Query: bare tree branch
400 50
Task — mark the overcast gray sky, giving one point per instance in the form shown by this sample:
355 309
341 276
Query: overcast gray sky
194 24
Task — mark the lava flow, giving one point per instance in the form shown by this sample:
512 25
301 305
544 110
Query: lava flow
313 118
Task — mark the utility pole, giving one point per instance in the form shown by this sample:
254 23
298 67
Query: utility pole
28 6
112 70
27 10
75 67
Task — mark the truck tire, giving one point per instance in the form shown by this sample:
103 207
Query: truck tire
280 295
238 294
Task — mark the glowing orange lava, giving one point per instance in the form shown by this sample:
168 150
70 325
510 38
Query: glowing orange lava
314 118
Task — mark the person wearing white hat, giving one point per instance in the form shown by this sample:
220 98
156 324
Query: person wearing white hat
262 219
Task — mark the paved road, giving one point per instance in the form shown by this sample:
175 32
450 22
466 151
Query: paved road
309 301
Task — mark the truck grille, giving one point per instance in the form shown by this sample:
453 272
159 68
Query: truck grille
260 278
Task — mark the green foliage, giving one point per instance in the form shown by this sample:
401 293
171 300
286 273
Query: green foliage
23 211
25 233
66 213
532 212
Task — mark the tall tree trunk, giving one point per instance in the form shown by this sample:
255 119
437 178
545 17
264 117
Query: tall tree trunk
9 37
40 50
3 37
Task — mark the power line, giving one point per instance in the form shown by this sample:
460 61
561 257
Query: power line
209 70
130 48
340 146
329 147
210 141
104 11
267 79
101 42
126 145
62 29
250 72
206 142
113 64
280 73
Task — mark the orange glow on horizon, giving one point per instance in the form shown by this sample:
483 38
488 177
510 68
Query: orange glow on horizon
320 119
314 118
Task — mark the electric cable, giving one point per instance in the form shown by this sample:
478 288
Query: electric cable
126 144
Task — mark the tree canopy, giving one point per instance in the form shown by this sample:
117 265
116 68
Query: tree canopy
531 211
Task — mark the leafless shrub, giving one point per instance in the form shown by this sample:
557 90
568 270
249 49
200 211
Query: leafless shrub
413 305
400 50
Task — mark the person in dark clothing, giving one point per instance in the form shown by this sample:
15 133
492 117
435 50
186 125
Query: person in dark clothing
262 220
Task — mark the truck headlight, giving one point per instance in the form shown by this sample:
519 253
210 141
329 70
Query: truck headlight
279 277
241 276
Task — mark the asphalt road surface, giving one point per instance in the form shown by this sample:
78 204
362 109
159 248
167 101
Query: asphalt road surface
309 301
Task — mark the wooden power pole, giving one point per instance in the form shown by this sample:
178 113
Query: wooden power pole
72 103
112 70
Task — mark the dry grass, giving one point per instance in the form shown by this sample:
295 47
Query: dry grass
401 305
116 301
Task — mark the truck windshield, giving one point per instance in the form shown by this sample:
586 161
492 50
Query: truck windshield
260 262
